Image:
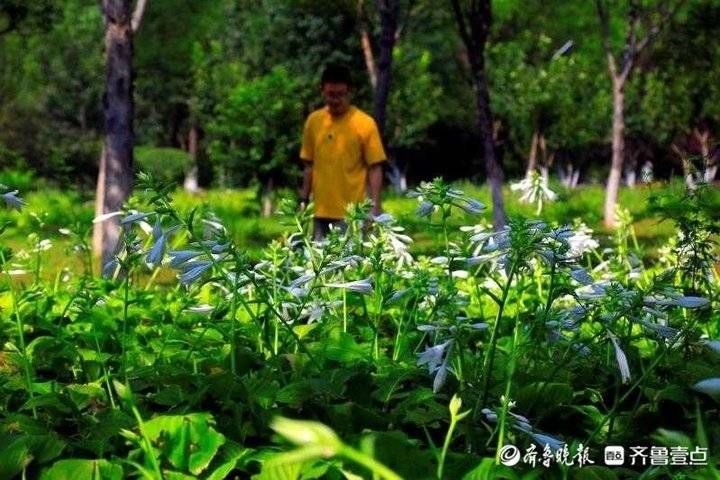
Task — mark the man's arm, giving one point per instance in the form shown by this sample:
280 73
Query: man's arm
307 183
375 177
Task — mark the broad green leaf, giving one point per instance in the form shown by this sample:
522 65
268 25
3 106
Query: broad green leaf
285 471
207 441
299 456
394 448
672 438
302 432
303 330
232 454
169 475
189 442
123 391
179 445
13 458
544 395
81 469
83 395
344 349
488 470
295 393
28 442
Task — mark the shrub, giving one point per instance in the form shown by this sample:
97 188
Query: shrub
165 164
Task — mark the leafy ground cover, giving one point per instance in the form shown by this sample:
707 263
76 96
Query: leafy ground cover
357 357
49 211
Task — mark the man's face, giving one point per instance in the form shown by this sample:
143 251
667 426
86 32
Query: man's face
337 97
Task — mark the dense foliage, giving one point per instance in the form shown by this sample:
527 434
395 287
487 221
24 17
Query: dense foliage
403 366
222 67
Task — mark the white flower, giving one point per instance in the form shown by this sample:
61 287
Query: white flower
621 359
709 386
13 201
358 286
581 241
534 190
204 308
134 216
178 257
425 209
106 216
193 271
552 442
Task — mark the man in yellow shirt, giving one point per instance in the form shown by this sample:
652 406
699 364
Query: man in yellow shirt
342 152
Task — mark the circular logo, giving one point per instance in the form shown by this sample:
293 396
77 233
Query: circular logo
509 455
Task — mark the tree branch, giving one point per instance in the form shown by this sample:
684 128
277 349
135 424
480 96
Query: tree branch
604 21
462 26
412 9
366 45
628 57
138 15
654 30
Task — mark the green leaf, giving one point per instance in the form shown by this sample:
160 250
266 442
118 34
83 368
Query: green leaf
295 393
544 395
302 432
303 330
13 458
232 454
208 441
26 441
83 395
285 471
188 441
179 446
81 469
394 448
169 475
123 392
593 472
488 470
344 349
672 438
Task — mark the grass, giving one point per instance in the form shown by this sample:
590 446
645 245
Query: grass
50 210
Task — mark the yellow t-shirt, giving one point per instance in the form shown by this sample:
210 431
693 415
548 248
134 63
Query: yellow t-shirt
340 150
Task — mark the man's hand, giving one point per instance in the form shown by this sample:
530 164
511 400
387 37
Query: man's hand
306 185
375 175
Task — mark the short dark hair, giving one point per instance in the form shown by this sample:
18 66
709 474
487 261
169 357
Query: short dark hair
336 73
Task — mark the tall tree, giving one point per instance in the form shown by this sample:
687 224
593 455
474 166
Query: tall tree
116 161
474 18
641 27
388 11
380 72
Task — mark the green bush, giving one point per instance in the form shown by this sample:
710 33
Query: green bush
18 179
54 208
165 164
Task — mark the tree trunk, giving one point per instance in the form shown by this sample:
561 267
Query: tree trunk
532 157
709 158
115 175
191 179
492 165
618 153
267 198
388 10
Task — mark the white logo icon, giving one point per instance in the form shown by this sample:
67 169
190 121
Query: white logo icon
509 455
614 455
